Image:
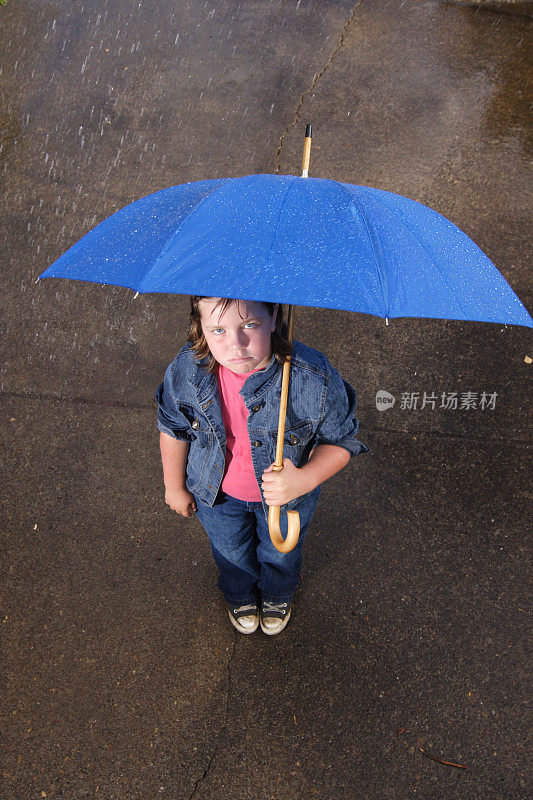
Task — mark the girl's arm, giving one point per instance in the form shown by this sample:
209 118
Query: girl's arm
324 462
174 454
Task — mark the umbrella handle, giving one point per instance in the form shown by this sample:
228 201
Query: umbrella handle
293 518
293 532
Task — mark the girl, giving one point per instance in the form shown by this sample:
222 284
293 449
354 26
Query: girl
218 409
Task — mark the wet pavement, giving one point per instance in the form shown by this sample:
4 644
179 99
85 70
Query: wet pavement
122 676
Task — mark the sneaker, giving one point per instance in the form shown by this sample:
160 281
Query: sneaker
274 617
244 618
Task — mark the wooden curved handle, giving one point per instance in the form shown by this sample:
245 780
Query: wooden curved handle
293 529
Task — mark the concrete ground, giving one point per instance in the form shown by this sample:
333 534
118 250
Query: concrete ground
122 677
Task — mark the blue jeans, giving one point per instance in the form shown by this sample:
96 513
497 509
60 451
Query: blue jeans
248 563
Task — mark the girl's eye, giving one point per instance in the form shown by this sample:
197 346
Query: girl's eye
216 330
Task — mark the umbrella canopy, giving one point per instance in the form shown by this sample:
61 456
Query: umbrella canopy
296 240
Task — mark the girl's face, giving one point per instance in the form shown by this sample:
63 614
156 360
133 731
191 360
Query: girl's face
239 341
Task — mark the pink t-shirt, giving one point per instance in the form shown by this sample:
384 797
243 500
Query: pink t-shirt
239 477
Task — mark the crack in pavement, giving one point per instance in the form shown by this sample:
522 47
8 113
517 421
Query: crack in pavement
316 78
145 407
218 734
201 778
91 401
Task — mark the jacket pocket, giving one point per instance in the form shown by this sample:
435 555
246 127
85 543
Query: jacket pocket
202 442
297 442
194 424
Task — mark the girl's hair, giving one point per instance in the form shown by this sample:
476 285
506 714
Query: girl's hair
281 348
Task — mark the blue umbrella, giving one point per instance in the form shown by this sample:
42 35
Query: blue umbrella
295 240
301 241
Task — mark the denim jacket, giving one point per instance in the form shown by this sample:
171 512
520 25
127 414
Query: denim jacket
320 410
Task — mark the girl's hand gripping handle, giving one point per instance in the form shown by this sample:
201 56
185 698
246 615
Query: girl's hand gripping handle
293 527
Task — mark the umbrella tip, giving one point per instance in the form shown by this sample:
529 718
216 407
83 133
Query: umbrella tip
386 320
136 295
37 281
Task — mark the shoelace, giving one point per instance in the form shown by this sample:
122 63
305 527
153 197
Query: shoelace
277 608
252 607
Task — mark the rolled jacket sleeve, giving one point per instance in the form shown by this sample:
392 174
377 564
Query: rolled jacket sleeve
170 419
339 424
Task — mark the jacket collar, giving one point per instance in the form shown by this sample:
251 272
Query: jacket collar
256 385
